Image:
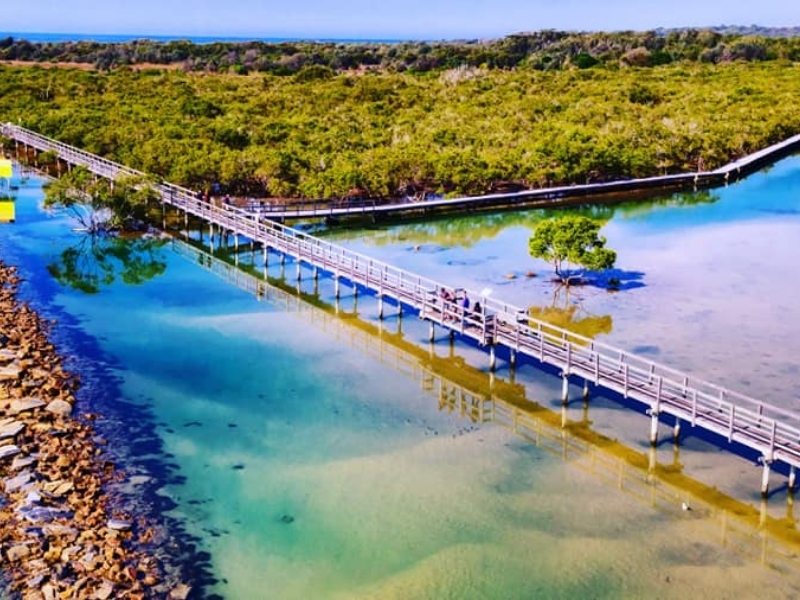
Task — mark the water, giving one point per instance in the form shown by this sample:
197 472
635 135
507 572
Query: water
323 459
121 38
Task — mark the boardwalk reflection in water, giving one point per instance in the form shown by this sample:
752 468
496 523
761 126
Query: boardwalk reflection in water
481 397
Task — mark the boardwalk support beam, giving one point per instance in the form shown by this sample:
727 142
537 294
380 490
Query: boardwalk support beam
653 427
585 390
676 432
492 358
564 389
431 331
792 484
765 476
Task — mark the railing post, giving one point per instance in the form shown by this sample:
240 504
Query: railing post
569 358
597 368
625 381
731 423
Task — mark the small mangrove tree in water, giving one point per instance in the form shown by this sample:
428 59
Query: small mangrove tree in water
573 245
98 204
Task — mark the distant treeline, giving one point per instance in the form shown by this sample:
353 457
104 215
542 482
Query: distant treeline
543 50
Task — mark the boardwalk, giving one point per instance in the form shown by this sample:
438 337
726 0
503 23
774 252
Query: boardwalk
479 398
769 430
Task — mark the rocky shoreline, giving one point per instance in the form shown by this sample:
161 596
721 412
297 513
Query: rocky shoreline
62 533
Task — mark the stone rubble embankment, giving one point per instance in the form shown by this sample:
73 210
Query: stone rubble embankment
60 535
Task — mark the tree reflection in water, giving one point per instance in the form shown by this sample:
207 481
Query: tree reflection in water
567 312
100 260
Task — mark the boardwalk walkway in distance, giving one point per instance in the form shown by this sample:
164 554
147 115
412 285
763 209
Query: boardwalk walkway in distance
364 207
771 431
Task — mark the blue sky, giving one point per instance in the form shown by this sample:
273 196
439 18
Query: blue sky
406 19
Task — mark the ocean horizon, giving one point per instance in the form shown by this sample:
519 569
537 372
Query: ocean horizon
119 38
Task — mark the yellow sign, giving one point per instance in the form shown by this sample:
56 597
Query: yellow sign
6 210
5 168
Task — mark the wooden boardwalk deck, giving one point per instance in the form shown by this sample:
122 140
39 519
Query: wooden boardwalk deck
771 431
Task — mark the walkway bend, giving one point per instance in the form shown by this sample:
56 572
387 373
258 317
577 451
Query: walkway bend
771 431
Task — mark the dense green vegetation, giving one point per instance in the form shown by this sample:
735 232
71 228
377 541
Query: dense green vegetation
386 134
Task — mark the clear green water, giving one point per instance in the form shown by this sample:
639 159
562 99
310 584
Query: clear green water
320 462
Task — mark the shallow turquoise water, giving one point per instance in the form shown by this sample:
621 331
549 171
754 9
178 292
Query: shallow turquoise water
322 462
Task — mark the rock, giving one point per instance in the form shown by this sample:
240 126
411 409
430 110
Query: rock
60 408
10 373
18 406
119 525
39 514
68 553
7 355
20 462
17 552
49 592
15 483
55 529
9 450
62 489
33 497
11 429
36 581
179 592
79 584
104 591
